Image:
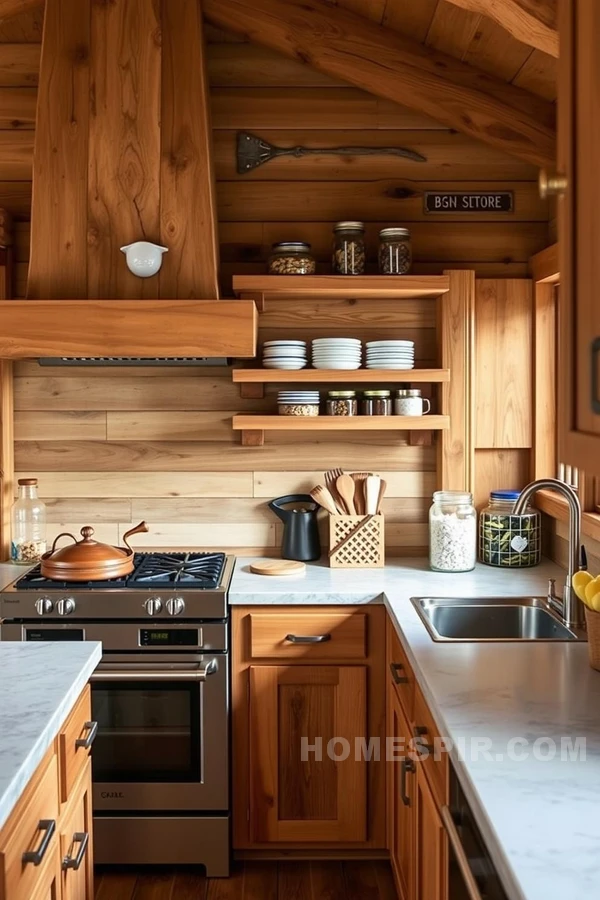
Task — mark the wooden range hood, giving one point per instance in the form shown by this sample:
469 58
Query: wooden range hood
123 153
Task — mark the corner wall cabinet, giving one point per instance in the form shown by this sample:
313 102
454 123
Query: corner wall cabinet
283 691
52 823
434 310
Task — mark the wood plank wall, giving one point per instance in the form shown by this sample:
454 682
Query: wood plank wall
113 446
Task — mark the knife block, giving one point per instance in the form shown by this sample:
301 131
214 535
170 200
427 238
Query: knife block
365 549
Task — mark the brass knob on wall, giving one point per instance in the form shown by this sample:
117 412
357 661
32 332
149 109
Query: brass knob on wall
551 185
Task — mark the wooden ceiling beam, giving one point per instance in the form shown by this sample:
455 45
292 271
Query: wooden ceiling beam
531 21
386 64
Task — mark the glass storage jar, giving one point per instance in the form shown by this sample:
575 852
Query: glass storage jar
395 253
28 541
298 407
507 540
349 248
291 258
376 403
452 532
341 403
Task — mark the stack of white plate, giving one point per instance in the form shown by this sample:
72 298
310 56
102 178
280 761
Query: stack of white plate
284 355
336 353
390 355
288 398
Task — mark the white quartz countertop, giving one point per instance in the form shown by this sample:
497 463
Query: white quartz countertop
39 685
538 810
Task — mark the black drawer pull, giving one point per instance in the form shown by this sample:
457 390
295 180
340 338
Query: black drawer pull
398 679
48 826
86 742
419 732
407 766
71 862
308 638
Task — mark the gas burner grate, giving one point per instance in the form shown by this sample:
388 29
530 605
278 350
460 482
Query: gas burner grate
34 580
194 570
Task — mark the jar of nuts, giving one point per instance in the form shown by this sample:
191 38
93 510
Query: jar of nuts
291 258
341 403
395 254
28 541
349 248
298 403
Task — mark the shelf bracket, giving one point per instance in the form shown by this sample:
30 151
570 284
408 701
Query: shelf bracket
253 438
251 390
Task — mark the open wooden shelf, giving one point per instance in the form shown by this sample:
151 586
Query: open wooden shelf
254 426
376 287
364 376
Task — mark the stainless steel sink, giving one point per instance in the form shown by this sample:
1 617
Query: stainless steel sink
492 619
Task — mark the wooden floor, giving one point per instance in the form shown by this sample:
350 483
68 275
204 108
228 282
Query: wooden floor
253 881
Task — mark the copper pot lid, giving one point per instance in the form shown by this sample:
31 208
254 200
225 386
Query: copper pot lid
88 553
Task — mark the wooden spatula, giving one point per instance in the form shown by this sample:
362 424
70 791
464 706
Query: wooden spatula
345 486
359 479
323 497
372 488
382 490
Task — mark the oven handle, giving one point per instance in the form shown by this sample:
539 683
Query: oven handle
199 674
461 857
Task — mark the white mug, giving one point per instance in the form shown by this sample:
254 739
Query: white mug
411 406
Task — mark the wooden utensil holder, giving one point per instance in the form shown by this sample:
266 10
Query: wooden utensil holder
362 549
592 622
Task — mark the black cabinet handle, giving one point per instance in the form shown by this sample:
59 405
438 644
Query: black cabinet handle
307 639
398 679
595 363
419 732
86 742
48 826
406 766
71 862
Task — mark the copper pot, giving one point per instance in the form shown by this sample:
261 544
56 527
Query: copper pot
88 560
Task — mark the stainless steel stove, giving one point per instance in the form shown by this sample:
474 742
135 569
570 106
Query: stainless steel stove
160 697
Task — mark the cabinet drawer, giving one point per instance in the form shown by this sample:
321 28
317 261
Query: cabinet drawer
400 673
435 763
35 832
308 635
74 743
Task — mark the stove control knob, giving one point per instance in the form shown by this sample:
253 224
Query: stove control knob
175 606
65 606
44 606
153 605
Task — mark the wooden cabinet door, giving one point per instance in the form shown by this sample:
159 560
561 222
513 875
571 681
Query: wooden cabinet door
307 796
76 841
401 787
431 844
48 883
579 233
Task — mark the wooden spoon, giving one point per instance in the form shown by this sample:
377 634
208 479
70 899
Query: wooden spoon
359 479
382 491
323 497
372 488
346 488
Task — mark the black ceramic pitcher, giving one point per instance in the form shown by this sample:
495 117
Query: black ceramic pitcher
300 530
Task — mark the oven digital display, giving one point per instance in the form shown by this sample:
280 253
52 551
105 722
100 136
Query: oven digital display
54 634
172 637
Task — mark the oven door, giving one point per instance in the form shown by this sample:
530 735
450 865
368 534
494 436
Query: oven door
162 740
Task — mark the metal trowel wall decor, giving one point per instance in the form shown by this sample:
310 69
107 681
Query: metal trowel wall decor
253 152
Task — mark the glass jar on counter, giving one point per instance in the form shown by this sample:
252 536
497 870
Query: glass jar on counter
349 248
376 403
507 540
452 532
28 542
291 258
341 403
395 253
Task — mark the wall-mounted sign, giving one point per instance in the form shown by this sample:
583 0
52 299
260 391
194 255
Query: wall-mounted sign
468 201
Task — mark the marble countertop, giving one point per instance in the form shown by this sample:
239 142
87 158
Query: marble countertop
538 810
39 685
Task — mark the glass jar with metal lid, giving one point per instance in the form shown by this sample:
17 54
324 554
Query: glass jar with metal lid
341 403
376 403
395 253
291 258
452 532
507 540
349 248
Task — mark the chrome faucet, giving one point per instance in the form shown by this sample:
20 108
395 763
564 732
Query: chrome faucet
569 608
